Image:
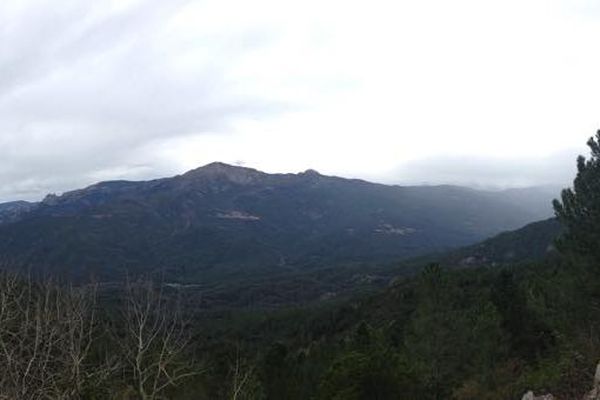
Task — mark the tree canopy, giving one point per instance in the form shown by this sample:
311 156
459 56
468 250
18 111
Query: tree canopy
579 210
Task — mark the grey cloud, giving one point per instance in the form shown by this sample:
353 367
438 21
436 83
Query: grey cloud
81 92
557 169
49 37
88 95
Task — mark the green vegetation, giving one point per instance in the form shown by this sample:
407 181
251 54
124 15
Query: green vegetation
485 333
479 333
579 210
533 242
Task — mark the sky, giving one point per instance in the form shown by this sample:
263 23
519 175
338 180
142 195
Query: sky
472 92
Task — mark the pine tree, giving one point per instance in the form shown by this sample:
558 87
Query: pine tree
579 211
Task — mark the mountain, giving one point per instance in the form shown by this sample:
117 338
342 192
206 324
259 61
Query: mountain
13 210
537 199
533 242
222 222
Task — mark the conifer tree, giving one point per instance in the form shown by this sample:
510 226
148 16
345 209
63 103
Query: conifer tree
579 210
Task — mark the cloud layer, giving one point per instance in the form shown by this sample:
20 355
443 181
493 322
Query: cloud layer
410 91
84 88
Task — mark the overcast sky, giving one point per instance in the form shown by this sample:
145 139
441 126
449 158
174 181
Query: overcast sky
475 92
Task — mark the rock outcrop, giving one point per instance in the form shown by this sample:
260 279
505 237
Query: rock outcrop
530 396
593 394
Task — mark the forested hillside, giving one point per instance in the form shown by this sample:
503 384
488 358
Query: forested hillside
475 333
533 242
219 223
299 200
461 333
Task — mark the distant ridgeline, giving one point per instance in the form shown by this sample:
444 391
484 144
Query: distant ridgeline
218 222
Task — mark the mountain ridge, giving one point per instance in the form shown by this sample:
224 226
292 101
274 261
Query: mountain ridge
220 219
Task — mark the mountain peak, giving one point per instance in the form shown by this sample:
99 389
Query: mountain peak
311 172
233 173
217 165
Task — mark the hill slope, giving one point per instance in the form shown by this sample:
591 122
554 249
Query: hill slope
13 210
221 221
533 242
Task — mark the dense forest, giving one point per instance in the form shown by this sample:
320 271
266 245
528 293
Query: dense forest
446 333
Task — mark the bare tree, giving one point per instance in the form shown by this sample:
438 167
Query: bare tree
46 333
81 334
154 340
243 380
50 347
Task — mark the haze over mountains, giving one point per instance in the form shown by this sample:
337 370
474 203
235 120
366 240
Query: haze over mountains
221 220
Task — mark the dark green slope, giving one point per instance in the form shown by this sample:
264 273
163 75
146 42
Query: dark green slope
221 221
533 242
